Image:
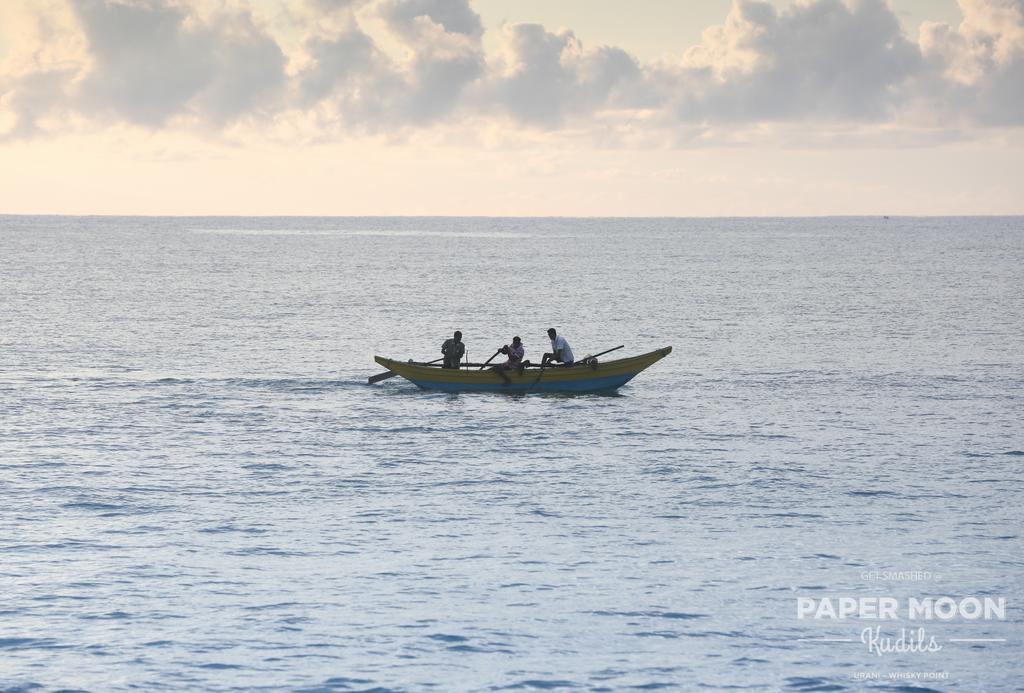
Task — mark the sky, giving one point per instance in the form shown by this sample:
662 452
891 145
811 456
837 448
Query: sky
512 107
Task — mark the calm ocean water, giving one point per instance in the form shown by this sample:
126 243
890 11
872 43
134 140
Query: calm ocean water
199 491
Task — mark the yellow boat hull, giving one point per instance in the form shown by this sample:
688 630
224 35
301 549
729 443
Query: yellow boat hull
601 377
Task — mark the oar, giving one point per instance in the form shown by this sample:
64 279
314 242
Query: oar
389 374
489 360
587 358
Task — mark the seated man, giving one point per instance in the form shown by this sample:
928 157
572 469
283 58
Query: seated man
560 350
515 355
453 349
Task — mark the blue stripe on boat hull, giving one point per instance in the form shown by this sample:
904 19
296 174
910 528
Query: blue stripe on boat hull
588 385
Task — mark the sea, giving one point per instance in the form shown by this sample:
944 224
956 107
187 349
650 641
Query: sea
199 491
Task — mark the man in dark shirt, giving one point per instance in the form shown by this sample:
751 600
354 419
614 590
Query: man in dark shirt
453 349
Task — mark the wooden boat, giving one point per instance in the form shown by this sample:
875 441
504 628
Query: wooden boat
580 377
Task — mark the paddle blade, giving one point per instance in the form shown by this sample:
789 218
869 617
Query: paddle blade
380 376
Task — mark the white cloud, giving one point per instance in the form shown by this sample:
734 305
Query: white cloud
453 16
977 68
357 83
42 57
154 61
548 77
31 99
396 65
824 59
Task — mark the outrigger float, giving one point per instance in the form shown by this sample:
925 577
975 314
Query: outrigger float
586 375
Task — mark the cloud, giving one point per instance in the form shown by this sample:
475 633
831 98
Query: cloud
394 66
976 70
334 5
363 86
453 16
548 77
38 61
152 61
536 85
824 59
31 99
822 63
341 62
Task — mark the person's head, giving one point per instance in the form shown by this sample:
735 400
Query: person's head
516 341
458 336
551 332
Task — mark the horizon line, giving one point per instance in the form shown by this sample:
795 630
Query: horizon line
516 216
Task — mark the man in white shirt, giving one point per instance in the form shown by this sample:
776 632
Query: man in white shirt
560 348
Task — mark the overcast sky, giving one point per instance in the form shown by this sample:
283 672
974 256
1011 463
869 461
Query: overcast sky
512 107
